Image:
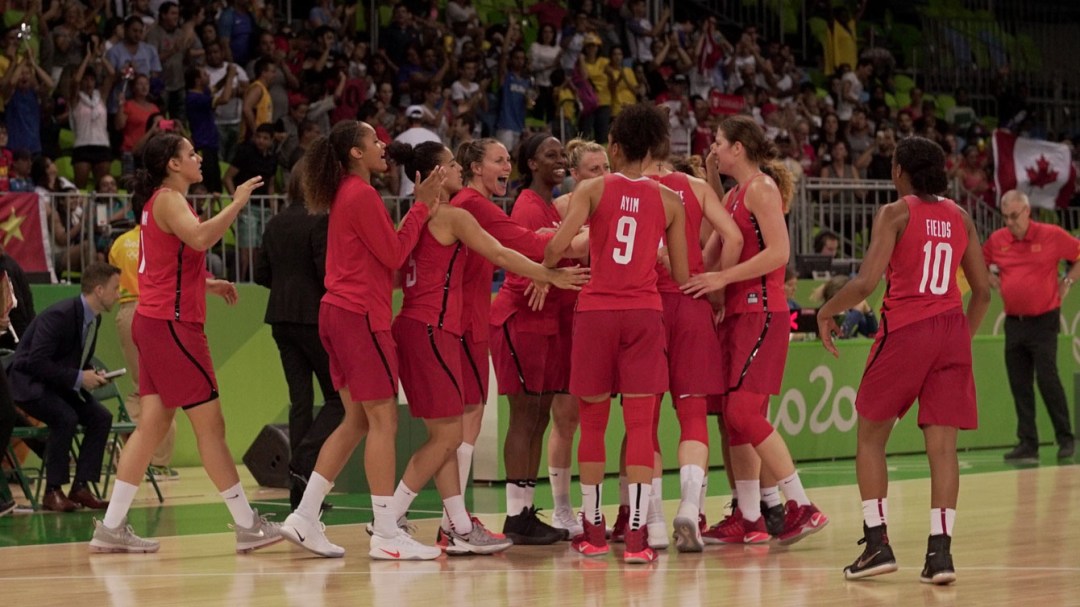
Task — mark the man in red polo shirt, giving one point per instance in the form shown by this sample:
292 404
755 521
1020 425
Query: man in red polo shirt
1027 255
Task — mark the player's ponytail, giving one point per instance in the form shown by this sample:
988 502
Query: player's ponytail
762 152
327 161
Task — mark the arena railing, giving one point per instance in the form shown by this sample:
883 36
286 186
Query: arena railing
845 207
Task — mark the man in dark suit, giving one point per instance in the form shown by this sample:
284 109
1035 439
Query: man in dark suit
292 264
51 378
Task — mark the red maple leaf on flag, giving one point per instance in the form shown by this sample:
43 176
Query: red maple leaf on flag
1042 174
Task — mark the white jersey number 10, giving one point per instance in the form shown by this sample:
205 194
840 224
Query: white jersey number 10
936 268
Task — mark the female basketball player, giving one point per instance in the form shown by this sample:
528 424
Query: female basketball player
922 351
363 251
754 332
174 358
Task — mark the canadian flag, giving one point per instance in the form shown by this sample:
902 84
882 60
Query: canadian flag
1041 169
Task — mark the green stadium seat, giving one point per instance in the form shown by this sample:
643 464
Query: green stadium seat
67 140
904 84
64 168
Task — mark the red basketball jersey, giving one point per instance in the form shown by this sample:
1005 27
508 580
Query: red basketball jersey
761 294
533 213
433 284
921 277
363 250
680 183
172 275
625 230
478 271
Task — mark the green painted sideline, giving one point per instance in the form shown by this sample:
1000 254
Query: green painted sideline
814 409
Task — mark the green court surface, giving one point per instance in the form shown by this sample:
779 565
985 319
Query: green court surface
209 516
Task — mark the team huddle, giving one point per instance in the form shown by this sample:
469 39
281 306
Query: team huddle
638 282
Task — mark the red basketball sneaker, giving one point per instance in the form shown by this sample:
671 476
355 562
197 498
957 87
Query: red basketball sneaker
592 541
735 529
638 550
618 532
800 522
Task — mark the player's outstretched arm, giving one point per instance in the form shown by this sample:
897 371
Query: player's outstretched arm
977 276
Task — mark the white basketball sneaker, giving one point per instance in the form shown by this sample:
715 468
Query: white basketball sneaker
401 547
658 535
310 535
565 519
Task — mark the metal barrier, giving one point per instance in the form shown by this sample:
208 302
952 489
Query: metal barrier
842 206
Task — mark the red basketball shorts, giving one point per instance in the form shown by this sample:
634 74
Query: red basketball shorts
174 361
754 347
928 360
695 364
476 367
430 360
361 360
618 351
520 357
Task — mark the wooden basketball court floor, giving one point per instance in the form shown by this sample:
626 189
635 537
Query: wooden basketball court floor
1016 543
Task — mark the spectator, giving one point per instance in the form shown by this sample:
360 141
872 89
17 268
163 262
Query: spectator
308 133
625 88
416 134
19 179
292 264
283 80
842 38
290 125
124 254
514 96
544 56
858 320
877 160
786 149
548 13
400 35
975 184
89 119
827 135
131 120
462 11
173 43
227 114
1026 255
679 116
386 115
258 104
852 89
253 158
858 134
573 41
143 10
73 244
905 124
839 168
236 27
595 124
791 285
467 94
23 86
826 242
131 57
51 378
201 105
640 32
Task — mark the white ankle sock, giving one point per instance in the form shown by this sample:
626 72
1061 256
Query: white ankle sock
875 512
403 498
691 479
590 503
560 487
317 490
640 498
238 506
771 496
119 504
656 501
793 489
385 520
464 464
749 499
515 497
454 508
704 493
530 492
942 521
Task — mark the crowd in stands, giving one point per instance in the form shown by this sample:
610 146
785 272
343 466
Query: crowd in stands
83 86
